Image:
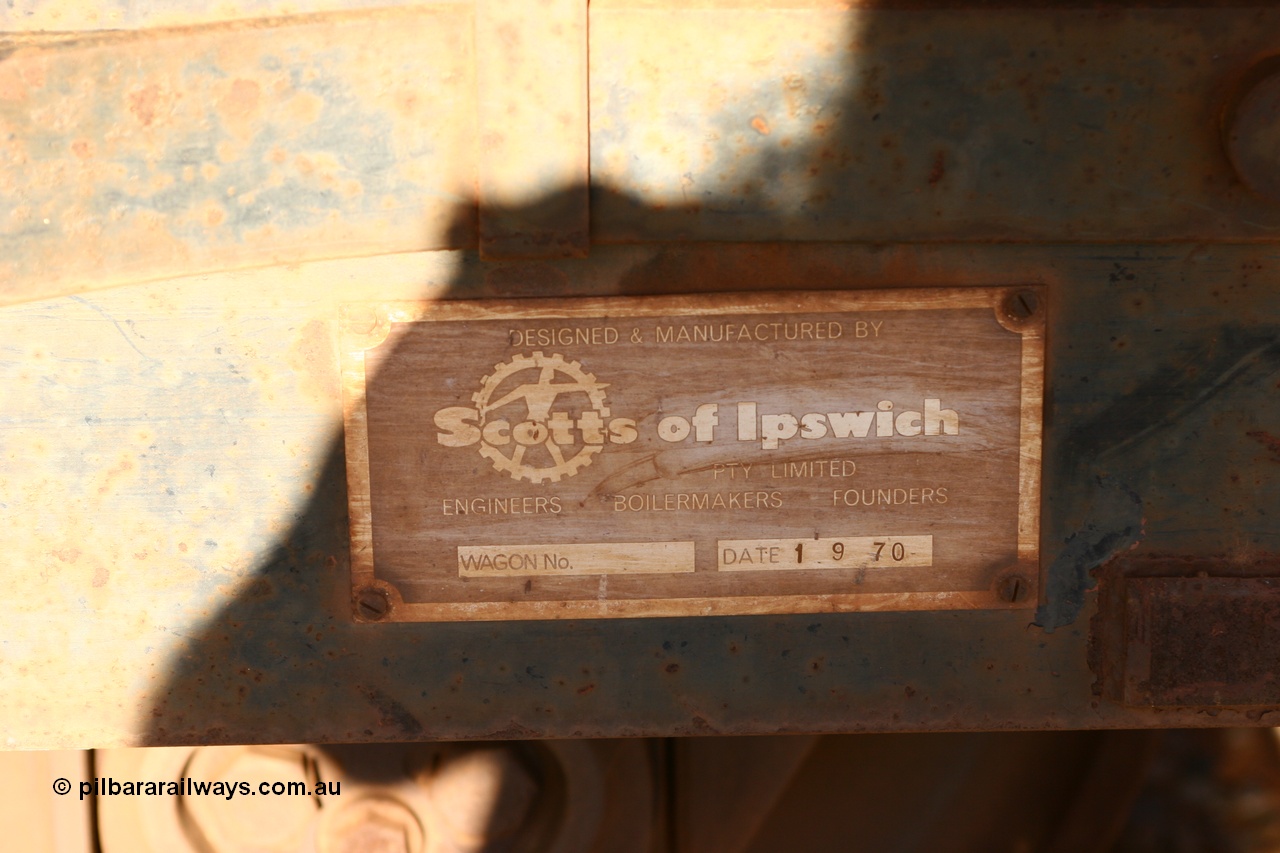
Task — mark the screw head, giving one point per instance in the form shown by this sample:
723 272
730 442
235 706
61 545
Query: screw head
372 604
1020 307
262 824
483 794
361 320
1013 588
373 825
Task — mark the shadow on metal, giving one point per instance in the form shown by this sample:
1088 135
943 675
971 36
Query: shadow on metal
286 662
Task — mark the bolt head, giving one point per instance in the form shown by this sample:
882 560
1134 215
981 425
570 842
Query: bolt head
1020 307
361 320
374 825
1013 588
372 604
250 821
482 794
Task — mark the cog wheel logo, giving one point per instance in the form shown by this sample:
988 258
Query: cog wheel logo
545 401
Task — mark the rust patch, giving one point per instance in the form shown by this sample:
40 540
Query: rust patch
939 170
113 475
239 107
1169 634
407 102
120 178
143 102
242 101
12 87
1267 440
1203 641
316 362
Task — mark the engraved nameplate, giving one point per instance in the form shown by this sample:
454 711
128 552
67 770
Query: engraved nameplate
720 454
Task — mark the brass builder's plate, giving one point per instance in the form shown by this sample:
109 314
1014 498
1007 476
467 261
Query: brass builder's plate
669 456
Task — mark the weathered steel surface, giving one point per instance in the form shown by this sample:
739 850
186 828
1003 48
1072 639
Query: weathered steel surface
73 16
176 550
1202 641
134 156
1188 633
942 124
352 133
531 106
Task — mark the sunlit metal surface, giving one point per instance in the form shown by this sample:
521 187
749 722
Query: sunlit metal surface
176 555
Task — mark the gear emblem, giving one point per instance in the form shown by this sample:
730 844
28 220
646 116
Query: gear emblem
550 389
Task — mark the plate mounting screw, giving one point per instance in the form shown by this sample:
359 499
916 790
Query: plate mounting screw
1021 306
372 604
1013 588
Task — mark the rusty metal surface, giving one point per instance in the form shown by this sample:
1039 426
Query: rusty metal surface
134 156
1188 633
923 124
343 133
1202 641
172 481
174 489
531 105
75 16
